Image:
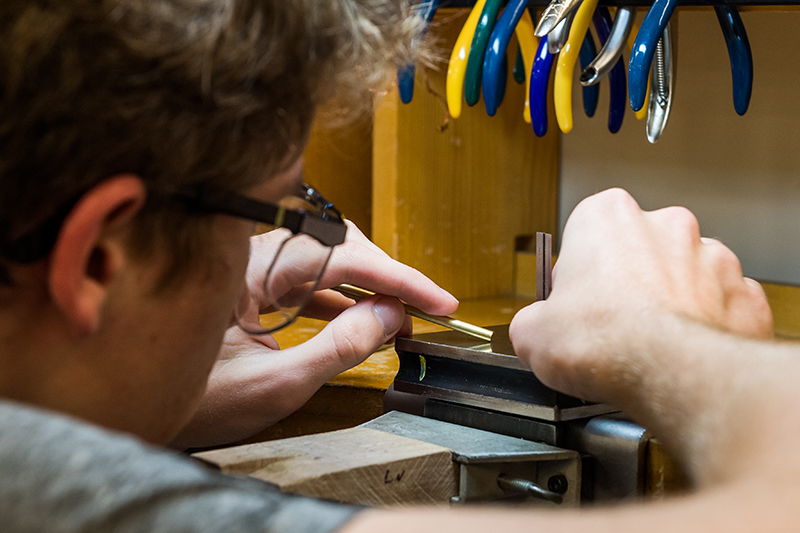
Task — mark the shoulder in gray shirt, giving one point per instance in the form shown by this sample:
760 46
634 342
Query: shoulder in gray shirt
59 474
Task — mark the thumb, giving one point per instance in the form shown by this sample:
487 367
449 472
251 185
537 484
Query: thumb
354 335
534 340
523 330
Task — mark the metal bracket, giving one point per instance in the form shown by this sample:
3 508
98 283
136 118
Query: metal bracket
613 446
496 467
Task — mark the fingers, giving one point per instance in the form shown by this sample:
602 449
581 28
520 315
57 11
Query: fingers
603 210
361 264
522 333
351 337
617 262
752 315
742 301
721 259
407 328
597 232
326 305
538 343
355 234
609 203
678 222
357 261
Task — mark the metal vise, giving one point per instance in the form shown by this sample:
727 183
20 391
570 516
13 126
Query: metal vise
454 378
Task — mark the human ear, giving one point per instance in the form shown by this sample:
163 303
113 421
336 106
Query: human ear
88 252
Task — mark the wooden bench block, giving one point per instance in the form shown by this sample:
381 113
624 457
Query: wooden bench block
357 465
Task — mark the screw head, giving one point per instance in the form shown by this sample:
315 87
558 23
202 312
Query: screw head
558 484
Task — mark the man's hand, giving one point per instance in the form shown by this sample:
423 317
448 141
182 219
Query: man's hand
619 268
254 383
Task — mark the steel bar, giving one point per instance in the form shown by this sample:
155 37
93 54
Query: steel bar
544 265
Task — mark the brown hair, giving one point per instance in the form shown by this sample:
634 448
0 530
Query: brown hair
176 91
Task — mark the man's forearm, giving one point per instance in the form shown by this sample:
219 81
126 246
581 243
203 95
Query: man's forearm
738 507
721 402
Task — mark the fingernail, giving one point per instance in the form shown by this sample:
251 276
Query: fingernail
448 294
390 314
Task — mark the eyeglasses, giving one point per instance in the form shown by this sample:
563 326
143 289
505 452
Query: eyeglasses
302 229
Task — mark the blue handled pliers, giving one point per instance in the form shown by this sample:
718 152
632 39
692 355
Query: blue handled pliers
644 48
616 78
540 79
653 28
591 94
739 52
405 75
496 54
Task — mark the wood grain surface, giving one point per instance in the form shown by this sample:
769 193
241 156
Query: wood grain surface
338 162
452 203
784 300
357 465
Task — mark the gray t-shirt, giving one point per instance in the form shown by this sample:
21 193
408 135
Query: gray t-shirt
58 474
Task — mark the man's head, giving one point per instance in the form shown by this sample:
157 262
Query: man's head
174 91
106 107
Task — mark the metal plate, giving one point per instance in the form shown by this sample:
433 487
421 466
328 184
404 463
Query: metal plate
455 345
469 446
453 366
494 421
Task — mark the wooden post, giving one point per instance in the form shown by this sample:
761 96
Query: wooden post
452 203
